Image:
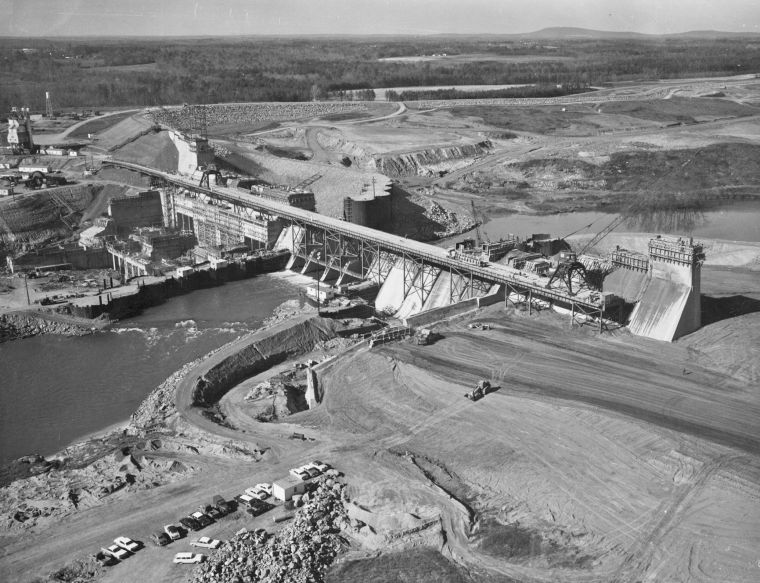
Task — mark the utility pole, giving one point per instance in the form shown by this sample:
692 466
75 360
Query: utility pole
26 285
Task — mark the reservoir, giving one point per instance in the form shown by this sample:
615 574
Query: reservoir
55 389
737 222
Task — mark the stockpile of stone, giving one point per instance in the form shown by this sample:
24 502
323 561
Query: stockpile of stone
300 553
448 220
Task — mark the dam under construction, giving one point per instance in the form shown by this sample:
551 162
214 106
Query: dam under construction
656 295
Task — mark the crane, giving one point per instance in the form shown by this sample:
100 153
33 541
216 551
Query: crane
603 233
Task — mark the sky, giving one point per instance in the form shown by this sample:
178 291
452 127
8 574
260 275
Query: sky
28 18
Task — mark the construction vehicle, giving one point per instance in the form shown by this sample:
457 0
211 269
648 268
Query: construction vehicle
481 390
426 336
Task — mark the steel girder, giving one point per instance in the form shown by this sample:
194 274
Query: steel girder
377 262
419 276
582 315
463 285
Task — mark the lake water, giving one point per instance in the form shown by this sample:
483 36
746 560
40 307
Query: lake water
54 390
738 222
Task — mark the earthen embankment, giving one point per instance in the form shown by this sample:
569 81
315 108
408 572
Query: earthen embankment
260 355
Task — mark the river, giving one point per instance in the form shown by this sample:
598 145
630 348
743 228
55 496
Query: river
54 389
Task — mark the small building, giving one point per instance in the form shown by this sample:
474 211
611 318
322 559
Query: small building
284 488
319 293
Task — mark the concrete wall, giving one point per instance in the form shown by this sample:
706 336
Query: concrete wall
130 212
217 225
79 258
192 153
442 313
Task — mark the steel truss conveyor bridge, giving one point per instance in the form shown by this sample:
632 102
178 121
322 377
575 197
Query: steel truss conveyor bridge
334 244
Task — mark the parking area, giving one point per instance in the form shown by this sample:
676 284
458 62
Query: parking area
176 544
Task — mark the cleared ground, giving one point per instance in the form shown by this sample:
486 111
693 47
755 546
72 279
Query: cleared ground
607 458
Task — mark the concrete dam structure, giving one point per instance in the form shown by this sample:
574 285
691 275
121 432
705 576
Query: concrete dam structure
415 277
664 286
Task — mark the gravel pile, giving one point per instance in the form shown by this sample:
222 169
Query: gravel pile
448 220
240 113
300 553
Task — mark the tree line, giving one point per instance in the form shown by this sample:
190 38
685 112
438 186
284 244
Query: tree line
98 73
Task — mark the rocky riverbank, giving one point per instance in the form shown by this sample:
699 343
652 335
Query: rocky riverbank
16 325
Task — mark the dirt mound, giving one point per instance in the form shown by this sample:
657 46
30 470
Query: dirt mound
731 346
155 150
429 162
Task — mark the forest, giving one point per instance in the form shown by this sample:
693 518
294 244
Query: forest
147 72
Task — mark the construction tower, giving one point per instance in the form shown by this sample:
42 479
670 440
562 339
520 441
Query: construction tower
48 106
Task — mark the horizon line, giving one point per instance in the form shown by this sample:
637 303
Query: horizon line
392 34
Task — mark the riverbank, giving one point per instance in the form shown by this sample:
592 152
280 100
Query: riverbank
28 323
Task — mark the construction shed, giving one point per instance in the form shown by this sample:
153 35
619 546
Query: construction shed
284 488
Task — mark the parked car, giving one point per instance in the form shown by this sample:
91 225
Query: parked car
211 511
127 543
190 523
254 493
258 507
206 542
299 473
116 552
312 471
104 559
222 504
321 466
160 538
244 499
188 558
264 487
173 532
202 519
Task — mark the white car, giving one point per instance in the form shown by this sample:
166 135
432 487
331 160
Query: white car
173 532
127 543
116 552
206 543
245 498
264 487
255 493
190 558
321 466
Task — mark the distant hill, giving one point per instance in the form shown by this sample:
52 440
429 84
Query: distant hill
566 32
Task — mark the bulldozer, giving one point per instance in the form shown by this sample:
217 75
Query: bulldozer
481 390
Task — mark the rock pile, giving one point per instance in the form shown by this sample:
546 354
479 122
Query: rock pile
300 553
24 325
448 220
240 113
